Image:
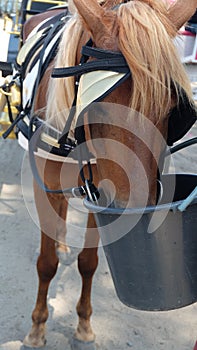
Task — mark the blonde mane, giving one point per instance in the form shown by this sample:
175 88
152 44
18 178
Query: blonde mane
147 45
146 41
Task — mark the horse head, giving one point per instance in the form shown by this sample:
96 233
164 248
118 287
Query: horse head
128 130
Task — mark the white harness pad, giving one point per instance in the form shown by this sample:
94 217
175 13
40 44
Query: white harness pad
30 79
93 85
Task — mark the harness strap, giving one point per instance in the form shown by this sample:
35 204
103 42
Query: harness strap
181 118
75 191
98 53
7 91
88 187
64 134
41 69
20 116
47 35
22 66
105 60
115 64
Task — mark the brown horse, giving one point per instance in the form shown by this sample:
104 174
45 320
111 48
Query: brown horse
142 30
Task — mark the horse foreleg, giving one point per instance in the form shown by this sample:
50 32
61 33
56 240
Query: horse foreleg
46 266
87 264
47 263
62 248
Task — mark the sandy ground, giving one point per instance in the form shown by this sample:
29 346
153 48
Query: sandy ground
116 326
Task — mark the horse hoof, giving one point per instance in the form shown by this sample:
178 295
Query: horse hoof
82 345
30 343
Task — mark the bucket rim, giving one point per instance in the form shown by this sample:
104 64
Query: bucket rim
93 207
172 206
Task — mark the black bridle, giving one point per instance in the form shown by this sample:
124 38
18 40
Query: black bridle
105 60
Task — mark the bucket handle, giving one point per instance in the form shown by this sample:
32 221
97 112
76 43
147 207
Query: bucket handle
187 201
181 146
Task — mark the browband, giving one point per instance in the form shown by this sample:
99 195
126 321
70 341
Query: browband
105 60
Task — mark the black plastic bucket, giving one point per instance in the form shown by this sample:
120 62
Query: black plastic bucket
154 264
